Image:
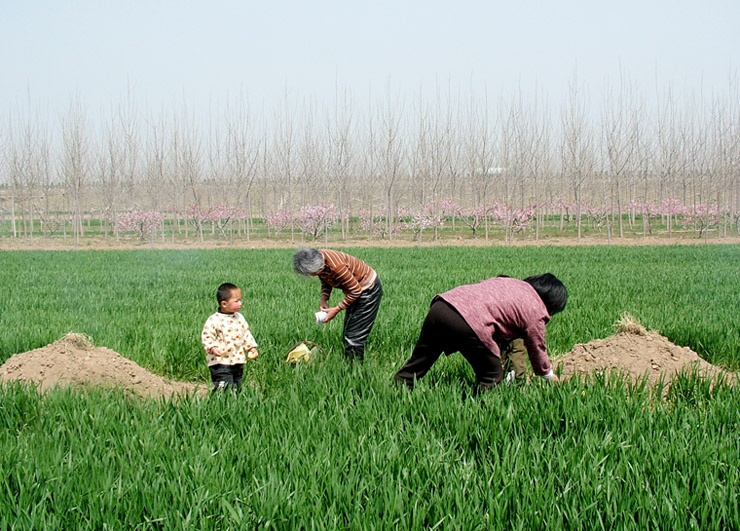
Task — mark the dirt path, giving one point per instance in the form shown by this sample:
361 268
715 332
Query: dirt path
93 244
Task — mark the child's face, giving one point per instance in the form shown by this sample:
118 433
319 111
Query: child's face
234 303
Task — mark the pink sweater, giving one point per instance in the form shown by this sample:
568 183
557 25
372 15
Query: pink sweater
504 308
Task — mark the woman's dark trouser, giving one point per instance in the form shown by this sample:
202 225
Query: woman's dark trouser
226 376
444 330
359 320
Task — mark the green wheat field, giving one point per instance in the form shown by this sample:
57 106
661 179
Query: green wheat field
337 446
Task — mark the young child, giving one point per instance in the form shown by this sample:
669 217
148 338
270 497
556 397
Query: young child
226 338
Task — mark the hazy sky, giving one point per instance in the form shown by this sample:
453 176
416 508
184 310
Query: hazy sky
202 52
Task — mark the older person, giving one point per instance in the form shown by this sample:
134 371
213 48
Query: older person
475 319
361 287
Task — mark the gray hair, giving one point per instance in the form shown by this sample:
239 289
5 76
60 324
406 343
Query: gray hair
308 261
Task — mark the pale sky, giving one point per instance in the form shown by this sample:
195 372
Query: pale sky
202 52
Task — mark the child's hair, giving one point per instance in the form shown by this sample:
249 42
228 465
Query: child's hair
224 291
551 291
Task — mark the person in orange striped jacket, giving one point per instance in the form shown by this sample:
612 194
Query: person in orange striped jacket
361 287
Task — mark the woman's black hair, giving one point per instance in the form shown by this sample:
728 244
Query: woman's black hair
551 291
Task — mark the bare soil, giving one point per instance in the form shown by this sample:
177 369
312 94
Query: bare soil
74 361
636 353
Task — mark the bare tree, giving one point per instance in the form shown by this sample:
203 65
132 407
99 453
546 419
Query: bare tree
75 163
577 146
721 138
644 153
27 168
156 164
242 151
443 151
312 161
19 161
620 114
110 161
281 162
480 167
391 154
128 127
341 155
534 146
728 149
419 161
369 165
7 170
669 162
186 151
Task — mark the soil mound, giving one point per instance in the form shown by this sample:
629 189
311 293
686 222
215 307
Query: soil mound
74 361
636 353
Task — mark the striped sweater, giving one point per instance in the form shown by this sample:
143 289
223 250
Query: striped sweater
345 272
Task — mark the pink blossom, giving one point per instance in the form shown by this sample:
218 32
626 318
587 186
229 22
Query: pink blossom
702 217
472 217
313 220
672 207
513 219
218 215
598 215
143 223
377 226
448 206
416 220
280 221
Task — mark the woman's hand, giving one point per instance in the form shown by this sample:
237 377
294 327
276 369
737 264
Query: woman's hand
331 313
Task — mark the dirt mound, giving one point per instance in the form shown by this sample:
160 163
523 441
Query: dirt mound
637 353
75 361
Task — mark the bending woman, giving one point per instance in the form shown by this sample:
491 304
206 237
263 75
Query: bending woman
473 319
362 292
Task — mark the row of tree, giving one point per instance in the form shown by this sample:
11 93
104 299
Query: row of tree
390 158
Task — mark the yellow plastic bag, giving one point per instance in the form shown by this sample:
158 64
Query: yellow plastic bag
303 352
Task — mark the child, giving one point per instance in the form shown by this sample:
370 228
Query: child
226 338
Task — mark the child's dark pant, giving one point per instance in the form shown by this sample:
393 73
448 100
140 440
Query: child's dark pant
227 376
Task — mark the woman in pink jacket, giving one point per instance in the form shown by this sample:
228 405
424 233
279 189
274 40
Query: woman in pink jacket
472 319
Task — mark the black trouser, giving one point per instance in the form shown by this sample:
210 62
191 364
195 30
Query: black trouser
226 376
359 320
444 330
